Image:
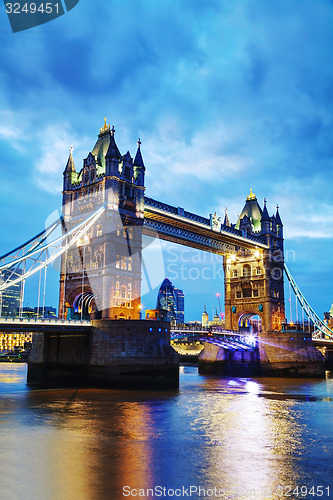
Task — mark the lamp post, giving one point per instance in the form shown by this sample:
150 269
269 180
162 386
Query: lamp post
140 311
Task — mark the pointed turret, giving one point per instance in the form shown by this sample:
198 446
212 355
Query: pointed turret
102 146
112 156
277 217
265 214
251 210
204 318
113 151
331 311
70 175
138 161
279 225
226 218
265 219
139 166
70 167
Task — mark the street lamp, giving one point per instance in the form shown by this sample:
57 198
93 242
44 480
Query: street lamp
140 310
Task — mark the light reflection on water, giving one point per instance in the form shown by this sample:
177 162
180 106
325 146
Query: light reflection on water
225 433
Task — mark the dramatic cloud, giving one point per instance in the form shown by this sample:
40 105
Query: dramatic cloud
224 96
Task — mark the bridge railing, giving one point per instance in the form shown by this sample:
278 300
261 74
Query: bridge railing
150 202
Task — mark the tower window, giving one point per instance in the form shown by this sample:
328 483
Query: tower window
246 271
255 293
234 273
238 295
258 270
247 292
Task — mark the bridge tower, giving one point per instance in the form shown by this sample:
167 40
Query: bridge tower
254 278
102 274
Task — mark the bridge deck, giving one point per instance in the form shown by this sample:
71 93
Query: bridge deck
179 226
46 325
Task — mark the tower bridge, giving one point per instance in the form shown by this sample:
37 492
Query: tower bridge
104 217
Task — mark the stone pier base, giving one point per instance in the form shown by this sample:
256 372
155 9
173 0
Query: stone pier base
238 363
114 353
290 354
279 354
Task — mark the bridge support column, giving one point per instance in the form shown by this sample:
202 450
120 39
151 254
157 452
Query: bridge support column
290 354
285 354
329 359
229 362
115 354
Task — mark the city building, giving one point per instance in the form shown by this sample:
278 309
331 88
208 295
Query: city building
180 305
216 321
156 314
205 318
171 299
41 312
13 341
11 297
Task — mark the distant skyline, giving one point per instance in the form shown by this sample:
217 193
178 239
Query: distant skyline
225 96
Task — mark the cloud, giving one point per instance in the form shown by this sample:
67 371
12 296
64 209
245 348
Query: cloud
224 95
54 143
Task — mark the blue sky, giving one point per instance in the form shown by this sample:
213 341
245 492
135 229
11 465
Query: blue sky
225 95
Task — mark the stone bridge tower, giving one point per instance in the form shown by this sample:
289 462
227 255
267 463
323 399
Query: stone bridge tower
101 275
254 278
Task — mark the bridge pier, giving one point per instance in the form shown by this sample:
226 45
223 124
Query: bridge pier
228 362
279 354
328 359
114 354
290 354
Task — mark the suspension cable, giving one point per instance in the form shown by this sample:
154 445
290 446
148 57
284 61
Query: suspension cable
312 315
78 232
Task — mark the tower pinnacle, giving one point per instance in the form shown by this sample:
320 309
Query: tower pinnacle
105 127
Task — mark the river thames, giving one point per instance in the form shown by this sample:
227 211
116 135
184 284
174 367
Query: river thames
213 438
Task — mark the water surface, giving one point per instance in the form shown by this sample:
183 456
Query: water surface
248 438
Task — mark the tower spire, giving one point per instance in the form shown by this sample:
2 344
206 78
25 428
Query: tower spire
277 217
70 167
251 196
265 215
113 151
105 127
226 218
138 161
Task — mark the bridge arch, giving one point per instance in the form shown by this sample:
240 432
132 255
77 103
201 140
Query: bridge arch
84 303
81 305
250 321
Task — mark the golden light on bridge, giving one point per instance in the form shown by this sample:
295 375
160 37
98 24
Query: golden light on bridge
232 258
85 240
